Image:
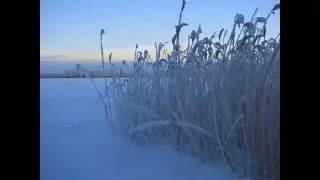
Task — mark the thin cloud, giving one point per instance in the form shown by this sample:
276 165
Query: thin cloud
54 57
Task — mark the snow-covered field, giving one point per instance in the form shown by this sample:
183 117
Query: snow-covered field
76 143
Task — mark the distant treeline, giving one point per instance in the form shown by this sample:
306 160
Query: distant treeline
76 74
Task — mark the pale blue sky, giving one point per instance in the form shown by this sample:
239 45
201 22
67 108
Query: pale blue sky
69 29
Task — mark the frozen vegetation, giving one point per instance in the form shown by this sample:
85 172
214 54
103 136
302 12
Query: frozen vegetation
217 101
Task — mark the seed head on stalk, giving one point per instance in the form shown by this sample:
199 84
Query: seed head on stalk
109 116
102 32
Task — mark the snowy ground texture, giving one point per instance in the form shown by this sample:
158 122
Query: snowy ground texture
75 142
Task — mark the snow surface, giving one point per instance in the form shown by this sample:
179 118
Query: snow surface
75 142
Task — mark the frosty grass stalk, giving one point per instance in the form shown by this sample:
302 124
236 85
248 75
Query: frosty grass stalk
214 100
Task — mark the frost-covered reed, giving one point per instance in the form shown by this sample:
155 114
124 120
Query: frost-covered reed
218 99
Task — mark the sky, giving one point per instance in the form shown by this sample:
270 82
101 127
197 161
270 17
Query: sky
69 29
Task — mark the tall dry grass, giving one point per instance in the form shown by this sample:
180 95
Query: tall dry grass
217 101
